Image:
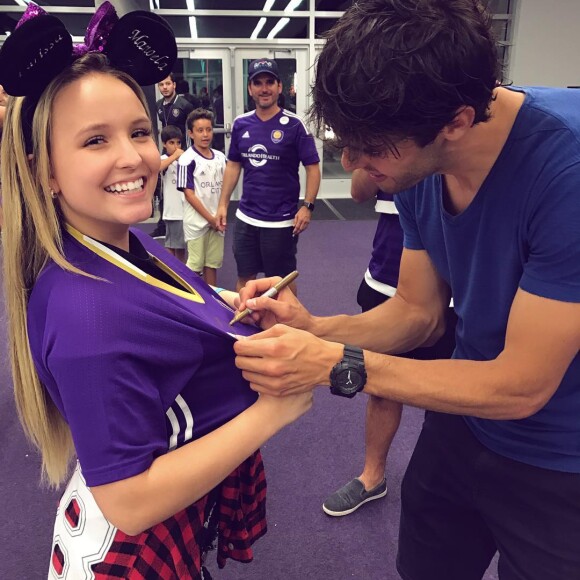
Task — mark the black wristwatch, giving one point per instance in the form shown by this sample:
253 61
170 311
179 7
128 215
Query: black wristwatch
349 376
308 205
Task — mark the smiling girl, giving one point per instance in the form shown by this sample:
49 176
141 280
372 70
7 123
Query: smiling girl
121 356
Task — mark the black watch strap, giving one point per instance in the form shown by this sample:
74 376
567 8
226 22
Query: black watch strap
348 376
354 352
308 205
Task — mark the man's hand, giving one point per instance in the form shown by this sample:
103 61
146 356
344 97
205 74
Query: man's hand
301 220
284 361
284 309
221 217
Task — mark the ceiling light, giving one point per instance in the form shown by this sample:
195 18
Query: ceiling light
279 25
292 5
258 28
193 27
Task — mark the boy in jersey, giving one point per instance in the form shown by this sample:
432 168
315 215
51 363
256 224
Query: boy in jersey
269 144
173 199
200 177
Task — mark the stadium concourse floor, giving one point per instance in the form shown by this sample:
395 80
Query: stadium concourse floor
304 463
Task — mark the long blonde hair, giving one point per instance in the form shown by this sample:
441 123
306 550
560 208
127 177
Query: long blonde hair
31 237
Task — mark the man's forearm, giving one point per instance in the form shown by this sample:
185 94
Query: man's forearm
489 389
312 182
231 176
392 327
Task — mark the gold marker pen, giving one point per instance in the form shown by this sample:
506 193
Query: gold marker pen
269 293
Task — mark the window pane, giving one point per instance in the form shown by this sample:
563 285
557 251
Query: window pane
499 6
500 29
322 25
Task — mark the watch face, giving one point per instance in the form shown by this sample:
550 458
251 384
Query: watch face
348 380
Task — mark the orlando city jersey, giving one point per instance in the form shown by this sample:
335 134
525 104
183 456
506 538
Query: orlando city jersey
270 153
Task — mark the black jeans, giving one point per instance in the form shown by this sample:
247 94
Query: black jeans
460 502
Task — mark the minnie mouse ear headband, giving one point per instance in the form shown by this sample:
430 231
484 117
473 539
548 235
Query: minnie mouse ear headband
141 44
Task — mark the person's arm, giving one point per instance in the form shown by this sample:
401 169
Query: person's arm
543 337
198 206
303 216
167 161
181 477
362 187
231 177
414 317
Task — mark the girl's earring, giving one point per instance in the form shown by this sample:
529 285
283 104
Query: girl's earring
53 194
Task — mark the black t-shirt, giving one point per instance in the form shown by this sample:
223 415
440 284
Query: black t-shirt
174 113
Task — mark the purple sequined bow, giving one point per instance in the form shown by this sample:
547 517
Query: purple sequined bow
98 29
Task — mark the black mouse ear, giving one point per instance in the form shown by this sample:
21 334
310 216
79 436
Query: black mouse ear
37 51
143 45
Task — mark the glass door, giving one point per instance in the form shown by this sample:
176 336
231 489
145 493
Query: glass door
335 180
203 75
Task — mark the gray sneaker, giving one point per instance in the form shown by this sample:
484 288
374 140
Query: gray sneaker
351 496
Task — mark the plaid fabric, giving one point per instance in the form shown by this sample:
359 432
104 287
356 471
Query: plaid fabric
174 548
242 511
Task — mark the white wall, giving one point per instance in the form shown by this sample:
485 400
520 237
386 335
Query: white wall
547 43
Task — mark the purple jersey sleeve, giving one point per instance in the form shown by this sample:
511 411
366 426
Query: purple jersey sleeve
184 174
306 147
106 388
189 182
234 152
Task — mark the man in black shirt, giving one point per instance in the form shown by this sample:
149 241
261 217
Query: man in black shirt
172 109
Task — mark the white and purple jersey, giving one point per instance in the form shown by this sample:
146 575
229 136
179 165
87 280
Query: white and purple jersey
204 177
382 274
270 153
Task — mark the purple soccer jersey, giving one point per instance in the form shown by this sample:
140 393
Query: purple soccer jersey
270 153
136 367
387 245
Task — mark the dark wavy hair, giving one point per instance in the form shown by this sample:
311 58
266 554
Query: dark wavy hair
401 69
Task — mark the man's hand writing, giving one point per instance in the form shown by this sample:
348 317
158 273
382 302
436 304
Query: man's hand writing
285 308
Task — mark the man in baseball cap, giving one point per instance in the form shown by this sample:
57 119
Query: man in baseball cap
268 144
